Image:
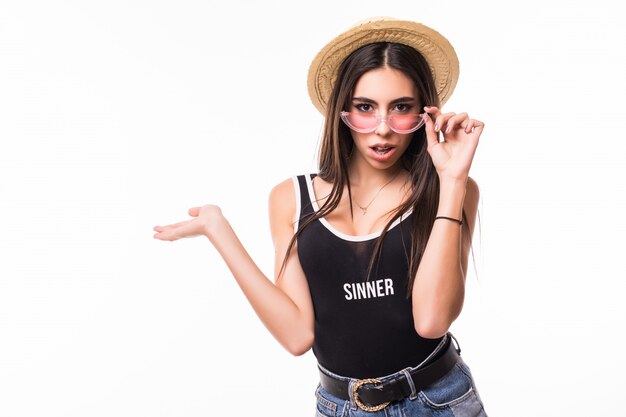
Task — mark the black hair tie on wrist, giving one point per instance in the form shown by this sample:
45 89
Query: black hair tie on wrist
460 222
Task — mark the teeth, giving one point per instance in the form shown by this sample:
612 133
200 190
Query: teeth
382 150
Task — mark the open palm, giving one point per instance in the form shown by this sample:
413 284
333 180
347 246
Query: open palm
202 218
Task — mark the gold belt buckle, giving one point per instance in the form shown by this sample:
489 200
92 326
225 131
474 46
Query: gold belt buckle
355 389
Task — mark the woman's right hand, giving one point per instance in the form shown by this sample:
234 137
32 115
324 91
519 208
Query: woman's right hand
284 307
205 217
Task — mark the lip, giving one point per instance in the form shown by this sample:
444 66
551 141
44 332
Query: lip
381 158
383 145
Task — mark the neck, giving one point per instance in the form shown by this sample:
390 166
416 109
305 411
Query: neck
364 176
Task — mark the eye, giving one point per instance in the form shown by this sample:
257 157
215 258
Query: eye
402 108
363 107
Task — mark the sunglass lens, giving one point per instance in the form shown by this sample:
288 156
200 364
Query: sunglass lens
365 123
360 122
405 123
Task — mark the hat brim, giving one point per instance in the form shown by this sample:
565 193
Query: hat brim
435 48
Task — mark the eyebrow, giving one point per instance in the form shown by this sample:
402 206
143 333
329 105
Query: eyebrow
395 101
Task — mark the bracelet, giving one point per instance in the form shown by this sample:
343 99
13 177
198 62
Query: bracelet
460 222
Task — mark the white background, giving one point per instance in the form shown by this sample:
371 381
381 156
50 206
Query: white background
117 116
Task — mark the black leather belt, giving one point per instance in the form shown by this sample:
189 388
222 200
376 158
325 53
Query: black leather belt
372 395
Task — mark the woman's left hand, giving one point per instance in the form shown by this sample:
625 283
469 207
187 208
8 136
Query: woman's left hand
452 157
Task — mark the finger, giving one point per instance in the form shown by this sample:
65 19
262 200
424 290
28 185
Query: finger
442 120
456 120
432 110
475 126
162 233
165 235
194 211
161 236
169 226
429 126
175 233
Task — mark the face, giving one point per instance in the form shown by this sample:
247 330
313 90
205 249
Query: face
386 92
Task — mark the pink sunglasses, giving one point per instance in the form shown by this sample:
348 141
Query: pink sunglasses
367 122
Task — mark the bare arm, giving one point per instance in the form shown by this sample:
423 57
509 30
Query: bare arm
439 287
284 308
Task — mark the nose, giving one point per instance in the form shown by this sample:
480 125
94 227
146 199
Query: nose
383 128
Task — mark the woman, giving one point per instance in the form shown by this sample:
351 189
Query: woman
371 252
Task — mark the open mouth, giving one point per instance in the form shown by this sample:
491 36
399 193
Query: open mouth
382 150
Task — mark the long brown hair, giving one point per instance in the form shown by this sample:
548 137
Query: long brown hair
337 144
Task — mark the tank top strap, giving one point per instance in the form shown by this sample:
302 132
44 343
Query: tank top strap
304 207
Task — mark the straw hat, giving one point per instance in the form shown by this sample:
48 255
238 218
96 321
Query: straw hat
436 49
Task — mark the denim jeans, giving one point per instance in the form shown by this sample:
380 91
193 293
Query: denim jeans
453 395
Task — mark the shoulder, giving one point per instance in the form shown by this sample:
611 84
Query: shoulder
282 189
286 191
282 202
283 194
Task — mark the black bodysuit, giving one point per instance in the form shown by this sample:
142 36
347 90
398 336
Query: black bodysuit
363 327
